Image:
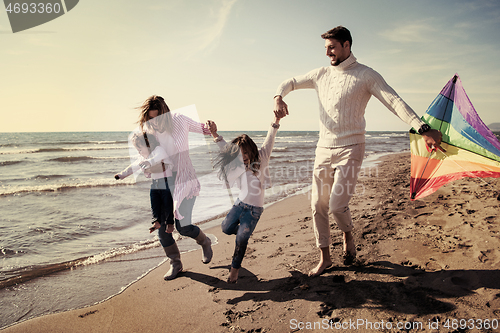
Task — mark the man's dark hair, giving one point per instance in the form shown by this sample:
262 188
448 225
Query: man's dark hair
339 33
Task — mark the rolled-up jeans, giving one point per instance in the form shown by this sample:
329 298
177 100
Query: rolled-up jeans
162 207
334 182
241 221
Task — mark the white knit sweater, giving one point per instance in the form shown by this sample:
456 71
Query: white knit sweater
343 93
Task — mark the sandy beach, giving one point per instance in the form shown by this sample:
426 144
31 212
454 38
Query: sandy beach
429 265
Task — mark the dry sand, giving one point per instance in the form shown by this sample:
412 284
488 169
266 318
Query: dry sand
420 265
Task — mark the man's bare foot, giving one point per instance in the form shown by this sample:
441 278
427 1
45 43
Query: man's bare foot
316 271
349 253
324 262
349 243
233 275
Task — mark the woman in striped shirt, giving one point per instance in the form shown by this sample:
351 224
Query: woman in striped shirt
172 130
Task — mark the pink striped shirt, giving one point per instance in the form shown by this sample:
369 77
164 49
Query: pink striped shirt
186 182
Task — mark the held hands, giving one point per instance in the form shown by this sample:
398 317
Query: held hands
146 168
145 165
280 105
280 109
278 114
212 127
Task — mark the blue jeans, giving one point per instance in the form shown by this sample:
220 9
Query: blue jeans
162 204
241 221
162 207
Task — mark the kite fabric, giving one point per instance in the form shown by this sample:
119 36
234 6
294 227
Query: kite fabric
470 148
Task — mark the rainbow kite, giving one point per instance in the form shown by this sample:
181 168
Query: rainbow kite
471 149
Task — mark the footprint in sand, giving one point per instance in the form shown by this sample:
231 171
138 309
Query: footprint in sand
483 256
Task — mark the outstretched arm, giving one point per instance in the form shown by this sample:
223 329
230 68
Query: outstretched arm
127 171
383 92
267 146
219 140
306 81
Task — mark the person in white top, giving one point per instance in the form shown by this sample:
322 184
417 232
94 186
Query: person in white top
240 163
172 132
151 155
343 89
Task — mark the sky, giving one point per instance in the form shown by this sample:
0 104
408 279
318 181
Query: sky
89 69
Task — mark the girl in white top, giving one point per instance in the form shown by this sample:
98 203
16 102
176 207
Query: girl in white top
240 163
150 154
155 163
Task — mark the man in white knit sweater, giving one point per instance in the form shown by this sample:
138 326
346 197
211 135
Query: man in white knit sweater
344 89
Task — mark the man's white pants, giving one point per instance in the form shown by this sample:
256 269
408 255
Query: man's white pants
334 182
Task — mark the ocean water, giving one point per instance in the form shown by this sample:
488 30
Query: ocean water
71 235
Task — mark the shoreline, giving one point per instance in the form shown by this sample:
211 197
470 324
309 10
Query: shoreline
423 262
186 245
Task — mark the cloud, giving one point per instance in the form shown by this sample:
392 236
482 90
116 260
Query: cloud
410 33
207 40
490 8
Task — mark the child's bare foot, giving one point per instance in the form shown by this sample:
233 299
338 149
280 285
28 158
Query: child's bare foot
233 275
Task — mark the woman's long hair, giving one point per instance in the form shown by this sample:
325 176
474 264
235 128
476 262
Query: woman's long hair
161 123
227 159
